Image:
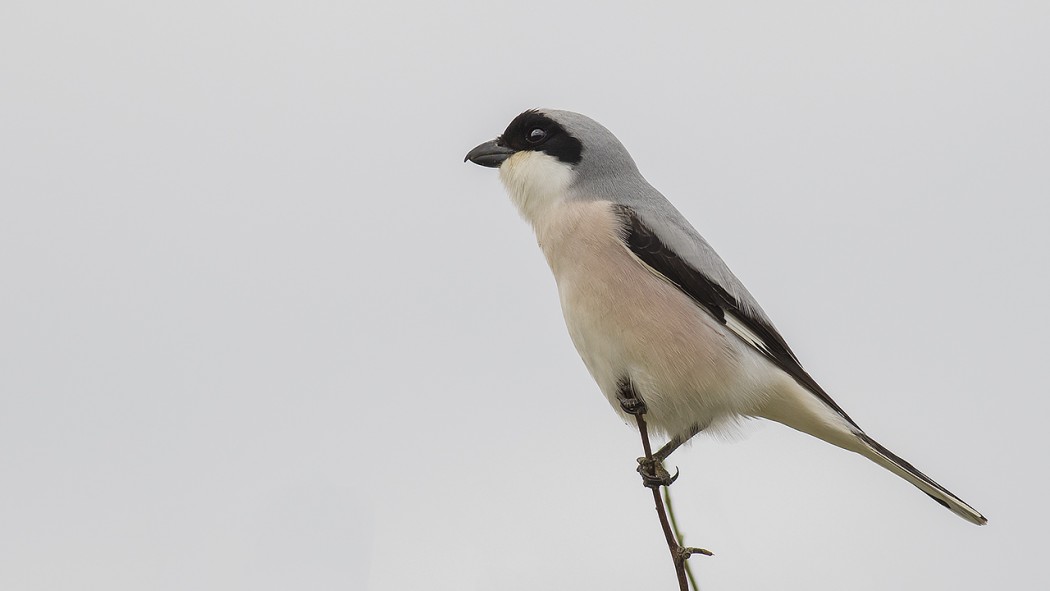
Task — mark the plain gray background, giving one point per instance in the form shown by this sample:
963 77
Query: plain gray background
261 328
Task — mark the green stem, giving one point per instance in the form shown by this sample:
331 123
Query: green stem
678 536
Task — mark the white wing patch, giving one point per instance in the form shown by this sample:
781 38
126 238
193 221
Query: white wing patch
741 330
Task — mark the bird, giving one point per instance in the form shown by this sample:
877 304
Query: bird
654 312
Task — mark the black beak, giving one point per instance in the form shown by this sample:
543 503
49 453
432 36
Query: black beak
489 154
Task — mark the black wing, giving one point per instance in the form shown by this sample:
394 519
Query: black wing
710 296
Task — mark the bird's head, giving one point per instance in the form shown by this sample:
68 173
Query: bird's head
546 155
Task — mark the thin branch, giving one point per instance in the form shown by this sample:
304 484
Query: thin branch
672 544
653 477
678 535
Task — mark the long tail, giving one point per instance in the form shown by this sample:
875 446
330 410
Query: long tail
799 409
874 451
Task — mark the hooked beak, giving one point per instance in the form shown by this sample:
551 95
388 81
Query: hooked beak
490 154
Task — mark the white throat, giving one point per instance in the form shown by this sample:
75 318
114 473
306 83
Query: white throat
537 183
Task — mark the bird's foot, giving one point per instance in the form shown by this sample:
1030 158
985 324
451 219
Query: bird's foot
653 473
633 406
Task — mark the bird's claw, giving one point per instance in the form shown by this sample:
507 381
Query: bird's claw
653 473
633 406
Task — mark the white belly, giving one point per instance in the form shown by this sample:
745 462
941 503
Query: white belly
627 322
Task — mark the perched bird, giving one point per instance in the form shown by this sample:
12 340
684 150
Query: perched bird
654 312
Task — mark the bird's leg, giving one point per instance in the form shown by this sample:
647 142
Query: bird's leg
633 405
675 442
650 467
630 401
653 473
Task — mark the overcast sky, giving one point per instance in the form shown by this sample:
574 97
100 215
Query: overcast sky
261 327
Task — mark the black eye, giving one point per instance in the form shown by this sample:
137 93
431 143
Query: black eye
536 135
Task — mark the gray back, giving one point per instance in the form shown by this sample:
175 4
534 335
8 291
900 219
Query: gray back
608 173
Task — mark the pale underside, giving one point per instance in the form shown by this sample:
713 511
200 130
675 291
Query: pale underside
629 322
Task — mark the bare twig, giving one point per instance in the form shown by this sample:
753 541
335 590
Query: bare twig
679 554
678 536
